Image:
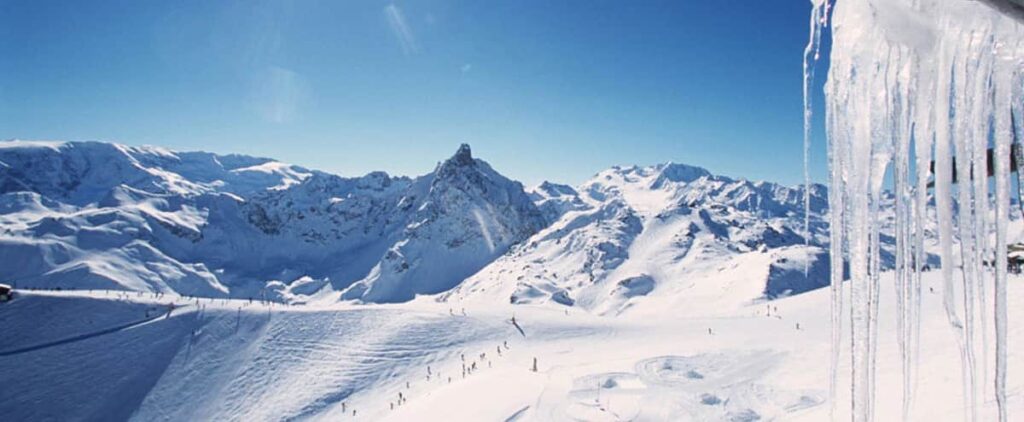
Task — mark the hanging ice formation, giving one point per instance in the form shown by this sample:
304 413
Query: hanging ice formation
912 81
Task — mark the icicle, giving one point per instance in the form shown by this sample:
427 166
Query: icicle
1003 135
962 73
811 55
904 243
932 74
818 23
837 205
981 109
924 142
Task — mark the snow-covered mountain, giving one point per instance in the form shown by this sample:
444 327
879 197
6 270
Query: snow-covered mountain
89 215
462 216
667 230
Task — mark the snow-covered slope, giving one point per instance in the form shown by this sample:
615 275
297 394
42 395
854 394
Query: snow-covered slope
667 230
74 356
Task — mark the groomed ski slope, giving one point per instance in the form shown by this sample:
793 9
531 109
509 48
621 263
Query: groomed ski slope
113 356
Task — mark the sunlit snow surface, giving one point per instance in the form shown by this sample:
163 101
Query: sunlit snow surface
909 77
115 355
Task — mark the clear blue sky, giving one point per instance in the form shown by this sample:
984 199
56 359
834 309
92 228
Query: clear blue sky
543 90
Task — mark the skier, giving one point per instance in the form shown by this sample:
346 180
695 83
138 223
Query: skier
534 364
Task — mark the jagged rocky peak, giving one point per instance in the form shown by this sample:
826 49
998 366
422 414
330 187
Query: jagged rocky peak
463 156
470 215
458 164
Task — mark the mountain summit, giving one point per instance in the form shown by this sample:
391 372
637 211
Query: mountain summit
464 156
467 217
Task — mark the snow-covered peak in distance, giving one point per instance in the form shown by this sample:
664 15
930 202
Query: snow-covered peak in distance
555 199
550 190
83 172
672 172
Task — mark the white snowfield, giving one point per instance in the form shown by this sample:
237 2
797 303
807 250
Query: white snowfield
107 355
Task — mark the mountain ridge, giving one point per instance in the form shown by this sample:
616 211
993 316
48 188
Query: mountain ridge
231 225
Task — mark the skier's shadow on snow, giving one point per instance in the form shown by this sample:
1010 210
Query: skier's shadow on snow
520 329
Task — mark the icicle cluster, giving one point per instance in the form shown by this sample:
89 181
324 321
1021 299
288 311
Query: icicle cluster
912 81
